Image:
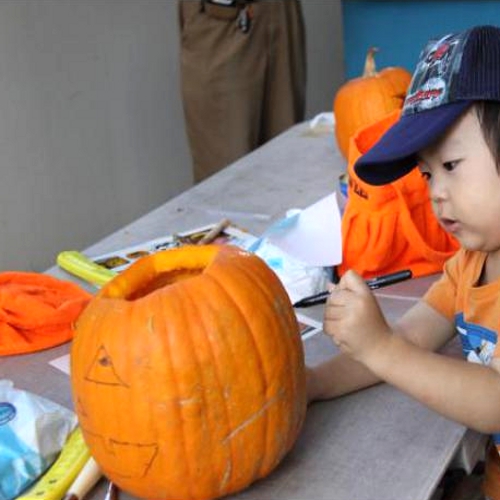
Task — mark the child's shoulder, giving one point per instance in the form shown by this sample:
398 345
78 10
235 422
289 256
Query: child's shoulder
465 262
464 256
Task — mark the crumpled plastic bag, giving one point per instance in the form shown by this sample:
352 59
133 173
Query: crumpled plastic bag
299 279
33 431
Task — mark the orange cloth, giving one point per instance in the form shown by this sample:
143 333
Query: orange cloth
391 227
37 311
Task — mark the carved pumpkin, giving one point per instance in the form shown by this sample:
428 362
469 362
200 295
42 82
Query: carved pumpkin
367 99
188 374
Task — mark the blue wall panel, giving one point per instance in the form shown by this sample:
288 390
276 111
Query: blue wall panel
400 29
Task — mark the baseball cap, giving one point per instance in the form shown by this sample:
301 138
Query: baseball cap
452 72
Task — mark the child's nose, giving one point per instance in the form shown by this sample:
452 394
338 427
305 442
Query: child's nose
437 189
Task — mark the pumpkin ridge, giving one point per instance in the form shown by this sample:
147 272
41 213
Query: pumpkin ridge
258 357
251 276
269 295
254 416
188 294
157 301
291 341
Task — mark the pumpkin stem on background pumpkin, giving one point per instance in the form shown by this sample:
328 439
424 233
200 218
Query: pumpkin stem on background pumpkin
370 68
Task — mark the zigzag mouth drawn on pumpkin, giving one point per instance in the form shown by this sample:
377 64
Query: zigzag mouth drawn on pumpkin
142 455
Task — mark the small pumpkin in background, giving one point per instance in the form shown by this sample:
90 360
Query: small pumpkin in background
368 98
188 374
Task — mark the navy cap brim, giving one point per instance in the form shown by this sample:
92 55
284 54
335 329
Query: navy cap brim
394 155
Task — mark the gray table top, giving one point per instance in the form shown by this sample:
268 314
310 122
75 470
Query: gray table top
376 443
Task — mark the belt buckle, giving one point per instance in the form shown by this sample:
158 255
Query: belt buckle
223 3
225 10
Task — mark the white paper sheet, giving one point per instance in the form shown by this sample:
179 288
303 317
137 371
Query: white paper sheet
61 363
316 237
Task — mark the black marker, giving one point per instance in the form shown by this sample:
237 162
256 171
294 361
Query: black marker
373 283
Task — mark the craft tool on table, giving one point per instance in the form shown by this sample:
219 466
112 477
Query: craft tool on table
85 481
58 479
111 492
214 232
373 283
231 214
76 263
79 265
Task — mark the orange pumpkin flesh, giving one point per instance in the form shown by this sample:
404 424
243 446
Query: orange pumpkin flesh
188 374
368 98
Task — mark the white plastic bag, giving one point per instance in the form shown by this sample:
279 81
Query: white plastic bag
299 279
32 433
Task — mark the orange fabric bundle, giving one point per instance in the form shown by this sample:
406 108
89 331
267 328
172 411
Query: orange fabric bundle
37 311
391 227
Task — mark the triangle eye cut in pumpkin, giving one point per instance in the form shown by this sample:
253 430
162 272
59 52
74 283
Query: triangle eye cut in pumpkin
188 374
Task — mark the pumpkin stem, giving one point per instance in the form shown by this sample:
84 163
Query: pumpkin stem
370 69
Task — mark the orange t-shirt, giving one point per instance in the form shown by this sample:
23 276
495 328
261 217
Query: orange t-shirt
475 310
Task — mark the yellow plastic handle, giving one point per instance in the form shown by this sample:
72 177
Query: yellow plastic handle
56 481
79 265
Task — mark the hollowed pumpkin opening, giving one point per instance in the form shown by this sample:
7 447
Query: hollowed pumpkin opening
159 270
163 279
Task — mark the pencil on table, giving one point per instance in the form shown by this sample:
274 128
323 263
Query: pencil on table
111 492
84 482
214 232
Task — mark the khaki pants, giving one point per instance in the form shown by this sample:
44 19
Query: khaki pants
239 89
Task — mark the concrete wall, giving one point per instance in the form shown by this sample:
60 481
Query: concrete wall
91 125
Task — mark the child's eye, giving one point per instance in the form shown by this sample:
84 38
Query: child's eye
449 166
425 175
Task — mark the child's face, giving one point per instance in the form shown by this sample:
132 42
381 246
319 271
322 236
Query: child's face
465 185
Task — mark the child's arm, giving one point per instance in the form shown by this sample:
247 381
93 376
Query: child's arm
466 392
337 376
341 374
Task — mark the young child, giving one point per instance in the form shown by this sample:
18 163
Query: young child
450 130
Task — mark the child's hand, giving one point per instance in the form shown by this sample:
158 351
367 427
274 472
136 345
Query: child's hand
353 318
